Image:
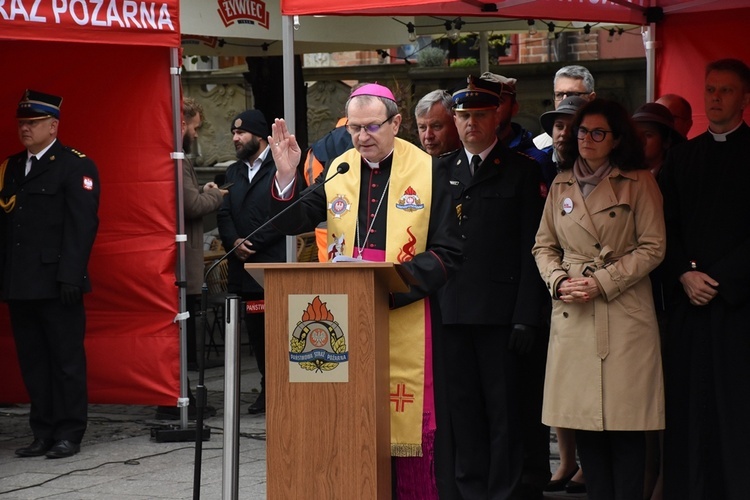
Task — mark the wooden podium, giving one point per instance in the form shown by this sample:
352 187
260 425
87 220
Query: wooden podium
327 439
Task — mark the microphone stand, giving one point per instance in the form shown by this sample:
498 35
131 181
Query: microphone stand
201 395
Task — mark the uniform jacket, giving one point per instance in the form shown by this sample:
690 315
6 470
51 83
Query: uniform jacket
243 210
50 231
498 210
604 363
197 203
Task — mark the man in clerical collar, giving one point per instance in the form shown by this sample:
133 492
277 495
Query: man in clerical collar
706 348
386 200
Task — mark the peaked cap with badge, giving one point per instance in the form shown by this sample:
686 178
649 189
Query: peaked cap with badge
507 85
35 105
478 94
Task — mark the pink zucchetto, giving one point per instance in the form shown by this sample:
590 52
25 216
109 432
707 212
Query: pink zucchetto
374 89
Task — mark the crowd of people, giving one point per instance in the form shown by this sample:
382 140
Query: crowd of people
587 279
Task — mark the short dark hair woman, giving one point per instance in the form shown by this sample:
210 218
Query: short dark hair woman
601 234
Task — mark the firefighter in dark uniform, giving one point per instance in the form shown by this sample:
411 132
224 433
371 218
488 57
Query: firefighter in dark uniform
49 198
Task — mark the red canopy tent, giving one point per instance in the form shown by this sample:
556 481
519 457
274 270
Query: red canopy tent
686 34
111 63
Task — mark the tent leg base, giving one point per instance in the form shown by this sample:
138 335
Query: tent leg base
175 434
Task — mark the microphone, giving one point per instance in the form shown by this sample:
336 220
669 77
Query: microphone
342 168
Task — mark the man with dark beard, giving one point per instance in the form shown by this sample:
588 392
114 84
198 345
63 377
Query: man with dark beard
243 210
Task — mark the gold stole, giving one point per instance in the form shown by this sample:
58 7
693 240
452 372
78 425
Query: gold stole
411 174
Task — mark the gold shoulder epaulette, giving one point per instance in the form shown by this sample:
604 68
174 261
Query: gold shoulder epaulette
76 152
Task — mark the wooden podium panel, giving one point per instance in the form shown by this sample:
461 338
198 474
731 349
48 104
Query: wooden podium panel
329 439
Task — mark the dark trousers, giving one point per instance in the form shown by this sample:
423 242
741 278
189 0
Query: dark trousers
255 323
481 381
532 367
49 342
614 463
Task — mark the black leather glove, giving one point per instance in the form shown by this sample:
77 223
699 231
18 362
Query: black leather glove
522 339
69 294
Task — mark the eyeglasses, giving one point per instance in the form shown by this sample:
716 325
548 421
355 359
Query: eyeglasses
559 96
597 135
370 129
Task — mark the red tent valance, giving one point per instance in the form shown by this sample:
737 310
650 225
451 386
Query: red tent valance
128 22
578 10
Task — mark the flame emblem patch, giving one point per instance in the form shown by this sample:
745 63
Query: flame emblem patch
318 343
409 201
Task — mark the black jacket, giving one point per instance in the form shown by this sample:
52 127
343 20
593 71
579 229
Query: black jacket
49 233
243 211
498 210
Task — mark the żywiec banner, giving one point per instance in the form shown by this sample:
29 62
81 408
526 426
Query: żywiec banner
243 12
96 21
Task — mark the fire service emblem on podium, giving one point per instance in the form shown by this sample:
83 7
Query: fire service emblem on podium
318 351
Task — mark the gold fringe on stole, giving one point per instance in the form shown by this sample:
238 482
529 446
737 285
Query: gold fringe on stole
406 450
412 168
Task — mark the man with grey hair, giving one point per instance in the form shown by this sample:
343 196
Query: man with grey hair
569 81
437 131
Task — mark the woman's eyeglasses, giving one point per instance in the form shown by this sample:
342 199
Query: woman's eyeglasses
370 129
597 135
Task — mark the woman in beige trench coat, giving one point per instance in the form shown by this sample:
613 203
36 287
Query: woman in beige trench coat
601 234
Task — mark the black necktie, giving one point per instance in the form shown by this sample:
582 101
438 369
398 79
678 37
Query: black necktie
475 161
34 161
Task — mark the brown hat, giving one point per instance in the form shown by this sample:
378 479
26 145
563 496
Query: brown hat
507 85
653 112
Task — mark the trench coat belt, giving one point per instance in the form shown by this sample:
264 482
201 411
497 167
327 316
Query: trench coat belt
601 306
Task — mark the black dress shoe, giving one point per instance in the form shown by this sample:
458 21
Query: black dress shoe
63 449
575 487
36 449
560 484
259 406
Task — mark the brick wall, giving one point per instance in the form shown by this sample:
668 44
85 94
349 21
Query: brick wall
566 47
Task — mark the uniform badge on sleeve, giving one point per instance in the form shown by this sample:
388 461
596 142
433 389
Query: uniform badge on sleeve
88 183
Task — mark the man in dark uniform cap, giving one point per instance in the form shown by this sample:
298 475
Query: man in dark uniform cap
50 197
493 305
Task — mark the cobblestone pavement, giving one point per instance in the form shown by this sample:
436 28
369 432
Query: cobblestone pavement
119 459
